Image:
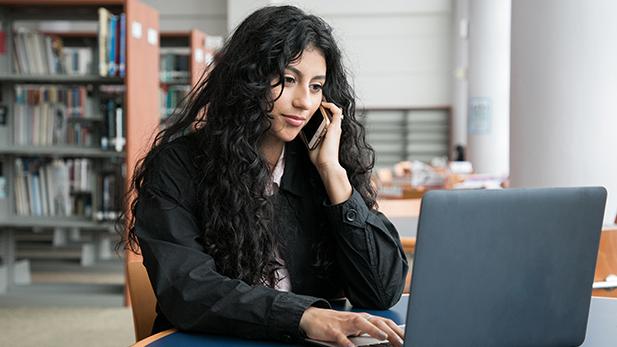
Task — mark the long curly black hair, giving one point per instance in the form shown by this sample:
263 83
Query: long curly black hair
228 114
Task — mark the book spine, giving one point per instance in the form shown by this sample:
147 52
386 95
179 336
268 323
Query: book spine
122 37
102 40
51 63
4 126
119 143
20 189
4 193
111 45
43 190
50 189
111 123
22 48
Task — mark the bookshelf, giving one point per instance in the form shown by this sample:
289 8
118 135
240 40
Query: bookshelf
184 57
109 118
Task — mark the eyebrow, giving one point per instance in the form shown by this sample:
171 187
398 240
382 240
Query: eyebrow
299 73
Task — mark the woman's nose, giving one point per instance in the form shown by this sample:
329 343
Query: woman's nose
302 98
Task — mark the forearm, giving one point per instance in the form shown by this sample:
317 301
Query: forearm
337 184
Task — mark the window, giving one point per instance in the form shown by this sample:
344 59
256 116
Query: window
407 134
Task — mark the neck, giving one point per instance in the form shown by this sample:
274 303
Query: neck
271 150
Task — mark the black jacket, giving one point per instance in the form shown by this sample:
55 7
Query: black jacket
369 265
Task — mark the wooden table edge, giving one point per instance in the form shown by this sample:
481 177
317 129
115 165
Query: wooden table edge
148 340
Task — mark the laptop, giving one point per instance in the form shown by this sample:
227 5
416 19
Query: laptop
511 267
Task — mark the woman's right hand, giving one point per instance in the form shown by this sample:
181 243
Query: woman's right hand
335 326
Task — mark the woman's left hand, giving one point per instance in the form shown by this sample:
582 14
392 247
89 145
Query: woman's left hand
325 158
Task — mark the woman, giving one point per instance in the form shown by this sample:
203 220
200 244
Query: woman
243 230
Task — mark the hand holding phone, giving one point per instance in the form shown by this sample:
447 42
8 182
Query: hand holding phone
314 131
326 158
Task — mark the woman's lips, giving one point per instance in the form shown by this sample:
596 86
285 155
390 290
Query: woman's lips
294 121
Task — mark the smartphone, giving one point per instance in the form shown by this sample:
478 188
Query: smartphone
315 130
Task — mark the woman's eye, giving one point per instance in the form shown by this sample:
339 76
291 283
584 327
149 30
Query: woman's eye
289 80
316 87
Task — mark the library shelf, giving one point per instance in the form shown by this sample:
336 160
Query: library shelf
59 151
60 79
140 87
54 222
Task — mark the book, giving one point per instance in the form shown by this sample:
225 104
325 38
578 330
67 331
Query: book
103 32
21 58
122 55
4 126
35 51
4 193
112 32
61 195
76 61
119 139
44 190
50 57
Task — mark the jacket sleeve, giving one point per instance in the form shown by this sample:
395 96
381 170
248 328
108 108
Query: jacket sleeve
191 294
369 253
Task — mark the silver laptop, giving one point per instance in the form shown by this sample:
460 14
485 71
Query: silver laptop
510 267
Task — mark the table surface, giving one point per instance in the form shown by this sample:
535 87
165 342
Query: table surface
601 328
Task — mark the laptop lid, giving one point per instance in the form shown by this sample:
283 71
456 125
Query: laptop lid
510 267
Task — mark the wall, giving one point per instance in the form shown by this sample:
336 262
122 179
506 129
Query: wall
563 92
398 51
209 16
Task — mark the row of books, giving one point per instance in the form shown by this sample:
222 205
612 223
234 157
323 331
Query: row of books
113 134
110 204
174 64
65 188
57 115
51 188
112 43
40 54
171 96
50 115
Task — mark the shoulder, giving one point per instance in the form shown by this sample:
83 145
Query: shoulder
179 151
172 166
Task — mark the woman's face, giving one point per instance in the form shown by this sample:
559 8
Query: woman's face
302 95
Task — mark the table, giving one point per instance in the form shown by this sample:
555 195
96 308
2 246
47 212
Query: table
403 213
601 328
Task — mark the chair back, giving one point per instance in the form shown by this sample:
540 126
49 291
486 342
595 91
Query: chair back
143 300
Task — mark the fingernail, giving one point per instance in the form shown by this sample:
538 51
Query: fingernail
401 341
383 336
